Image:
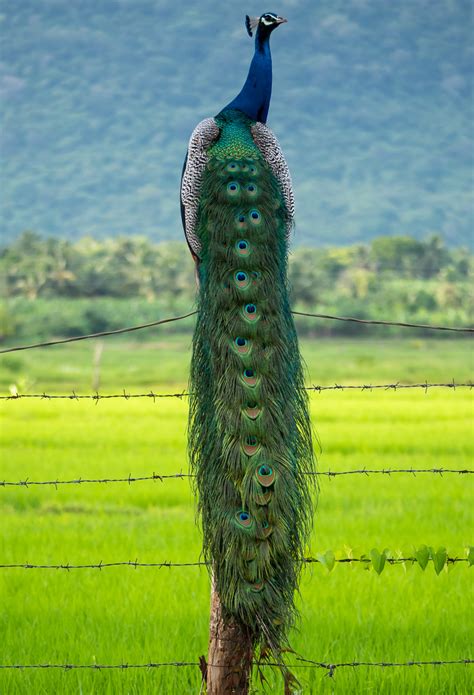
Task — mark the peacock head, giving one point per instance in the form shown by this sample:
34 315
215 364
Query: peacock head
264 24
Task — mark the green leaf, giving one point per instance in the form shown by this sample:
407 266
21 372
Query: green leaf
378 560
439 559
327 560
422 556
470 555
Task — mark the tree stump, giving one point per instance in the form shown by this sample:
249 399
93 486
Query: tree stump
230 653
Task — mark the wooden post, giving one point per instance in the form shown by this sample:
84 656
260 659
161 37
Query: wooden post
230 653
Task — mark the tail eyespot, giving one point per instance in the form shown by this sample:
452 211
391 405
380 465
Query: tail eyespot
251 445
265 475
249 376
242 345
242 280
255 217
233 189
244 519
240 221
257 587
242 247
267 530
252 410
250 312
232 167
251 190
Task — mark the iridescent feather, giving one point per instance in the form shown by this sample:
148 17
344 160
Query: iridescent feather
250 440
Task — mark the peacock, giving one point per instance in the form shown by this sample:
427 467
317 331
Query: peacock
249 433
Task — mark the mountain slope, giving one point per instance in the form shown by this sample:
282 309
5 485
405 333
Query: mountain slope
371 103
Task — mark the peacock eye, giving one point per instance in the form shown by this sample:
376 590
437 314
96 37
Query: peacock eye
252 410
242 247
255 217
233 188
244 519
265 475
242 345
240 219
249 313
232 166
251 445
249 377
242 280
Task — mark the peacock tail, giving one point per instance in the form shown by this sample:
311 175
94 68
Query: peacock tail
250 442
249 429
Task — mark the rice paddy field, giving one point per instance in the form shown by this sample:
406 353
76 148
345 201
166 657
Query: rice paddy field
137 616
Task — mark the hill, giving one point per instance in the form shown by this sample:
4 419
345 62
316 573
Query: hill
371 104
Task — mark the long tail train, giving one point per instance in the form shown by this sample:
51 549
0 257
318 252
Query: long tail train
249 432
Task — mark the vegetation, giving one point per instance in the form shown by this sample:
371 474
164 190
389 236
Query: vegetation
56 287
136 616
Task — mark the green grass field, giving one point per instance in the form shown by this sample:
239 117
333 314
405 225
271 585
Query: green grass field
140 615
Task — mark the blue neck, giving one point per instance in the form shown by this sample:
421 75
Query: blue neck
254 97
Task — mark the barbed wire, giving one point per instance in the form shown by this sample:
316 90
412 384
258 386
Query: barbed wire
331 668
73 396
192 313
98 335
167 476
201 563
375 322
306 663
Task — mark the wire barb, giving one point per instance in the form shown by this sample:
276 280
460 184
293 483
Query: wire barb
159 565
303 663
185 394
169 476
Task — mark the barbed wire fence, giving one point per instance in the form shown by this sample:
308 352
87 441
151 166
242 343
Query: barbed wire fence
302 662
161 477
117 331
397 386
201 563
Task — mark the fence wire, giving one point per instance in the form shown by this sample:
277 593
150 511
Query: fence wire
135 564
303 663
193 313
374 322
395 386
180 476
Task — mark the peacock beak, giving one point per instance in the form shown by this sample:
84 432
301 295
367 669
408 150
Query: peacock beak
281 20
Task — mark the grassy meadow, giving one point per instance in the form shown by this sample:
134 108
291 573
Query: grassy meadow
158 615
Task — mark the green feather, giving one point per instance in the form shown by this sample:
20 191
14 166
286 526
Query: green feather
249 432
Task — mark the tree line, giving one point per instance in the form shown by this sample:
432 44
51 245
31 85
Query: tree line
390 277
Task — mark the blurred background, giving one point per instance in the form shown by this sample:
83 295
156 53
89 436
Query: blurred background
372 104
